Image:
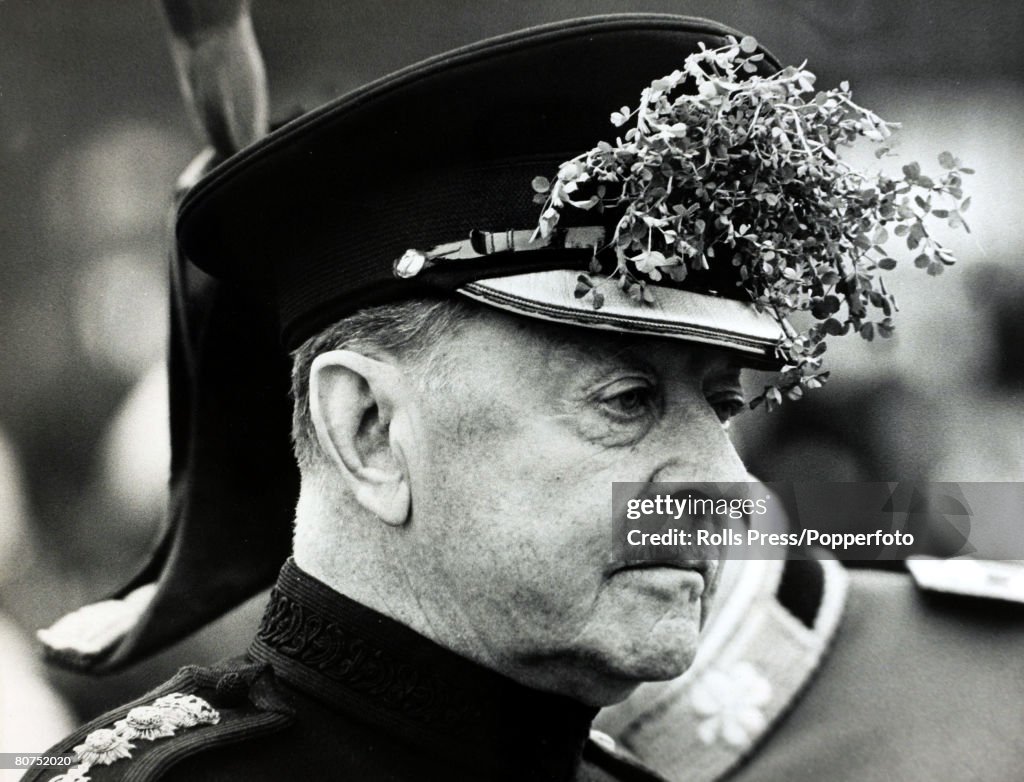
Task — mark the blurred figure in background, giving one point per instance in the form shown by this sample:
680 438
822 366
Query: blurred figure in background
985 441
32 716
127 501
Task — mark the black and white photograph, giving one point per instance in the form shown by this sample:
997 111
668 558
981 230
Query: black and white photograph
571 391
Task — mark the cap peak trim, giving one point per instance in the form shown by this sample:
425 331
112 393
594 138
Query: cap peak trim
682 314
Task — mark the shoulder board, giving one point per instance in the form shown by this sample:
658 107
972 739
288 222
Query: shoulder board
987 579
199 708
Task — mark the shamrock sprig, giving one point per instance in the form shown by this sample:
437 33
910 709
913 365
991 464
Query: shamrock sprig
721 165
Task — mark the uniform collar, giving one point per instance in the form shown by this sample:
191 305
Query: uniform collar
361 662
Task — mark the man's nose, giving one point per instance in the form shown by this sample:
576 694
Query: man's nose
698 448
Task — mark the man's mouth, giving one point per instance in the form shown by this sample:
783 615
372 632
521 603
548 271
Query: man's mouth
704 567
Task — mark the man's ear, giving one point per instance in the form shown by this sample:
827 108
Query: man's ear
353 401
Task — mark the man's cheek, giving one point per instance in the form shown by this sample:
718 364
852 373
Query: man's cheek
480 415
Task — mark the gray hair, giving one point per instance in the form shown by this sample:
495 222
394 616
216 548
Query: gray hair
410 330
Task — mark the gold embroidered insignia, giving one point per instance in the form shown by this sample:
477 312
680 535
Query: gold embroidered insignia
160 719
186 711
102 747
145 722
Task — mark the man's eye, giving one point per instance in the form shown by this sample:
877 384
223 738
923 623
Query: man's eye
630 402
727 405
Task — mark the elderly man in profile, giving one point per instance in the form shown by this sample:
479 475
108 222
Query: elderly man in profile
451 609
488 441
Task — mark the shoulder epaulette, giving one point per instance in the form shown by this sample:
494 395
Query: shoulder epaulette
994 580
198 709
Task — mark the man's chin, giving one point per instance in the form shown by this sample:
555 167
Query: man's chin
660 664
623 668
654 649
616 684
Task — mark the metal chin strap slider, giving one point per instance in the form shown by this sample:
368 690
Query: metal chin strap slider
410 264
482 244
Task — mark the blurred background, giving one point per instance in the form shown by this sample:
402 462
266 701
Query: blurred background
93 134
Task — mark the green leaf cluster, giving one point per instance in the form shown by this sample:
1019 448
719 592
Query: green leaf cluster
720 165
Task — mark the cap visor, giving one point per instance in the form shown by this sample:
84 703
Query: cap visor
676 314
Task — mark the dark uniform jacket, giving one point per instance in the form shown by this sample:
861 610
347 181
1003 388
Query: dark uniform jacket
333 690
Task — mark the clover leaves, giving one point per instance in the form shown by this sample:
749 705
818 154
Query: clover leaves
719 165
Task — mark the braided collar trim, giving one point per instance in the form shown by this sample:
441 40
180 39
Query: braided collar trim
370 666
